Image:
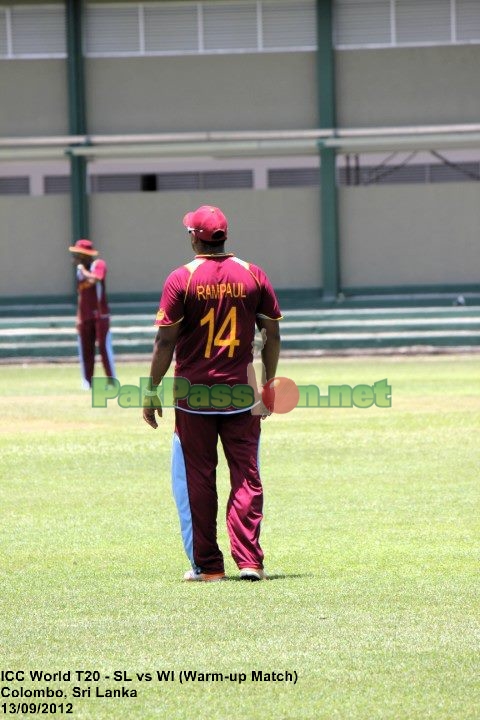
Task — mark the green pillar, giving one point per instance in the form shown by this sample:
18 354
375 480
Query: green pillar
327 119
79 198
77 117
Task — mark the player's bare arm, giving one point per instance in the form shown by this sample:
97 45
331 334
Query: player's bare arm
87 275
162 357
271 347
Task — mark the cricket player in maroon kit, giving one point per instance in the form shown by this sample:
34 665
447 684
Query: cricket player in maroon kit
93 314
208 312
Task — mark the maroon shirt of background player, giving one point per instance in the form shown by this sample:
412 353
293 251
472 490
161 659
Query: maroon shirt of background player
92 298
216 299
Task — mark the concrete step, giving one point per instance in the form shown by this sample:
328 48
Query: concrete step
54 335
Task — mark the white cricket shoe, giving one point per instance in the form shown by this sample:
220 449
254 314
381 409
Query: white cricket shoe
253 574
194 576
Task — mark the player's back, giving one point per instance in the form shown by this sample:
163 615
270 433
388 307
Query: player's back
223 295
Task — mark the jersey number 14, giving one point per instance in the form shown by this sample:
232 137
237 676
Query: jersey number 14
226 335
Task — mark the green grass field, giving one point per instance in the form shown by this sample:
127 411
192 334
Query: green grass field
370 534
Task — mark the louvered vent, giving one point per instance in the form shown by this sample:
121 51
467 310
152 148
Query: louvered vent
391 175
293 177
171 28
38 31
287 24
116 183
448 173
230 26
56 184
3 34
178 181
112 29
208 180
362 22
468 20
423 21
14 186
182 28
228 179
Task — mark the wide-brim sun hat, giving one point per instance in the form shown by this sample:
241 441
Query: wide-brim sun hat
84 247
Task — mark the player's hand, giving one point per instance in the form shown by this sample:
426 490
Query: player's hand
259 408
264 411
152 406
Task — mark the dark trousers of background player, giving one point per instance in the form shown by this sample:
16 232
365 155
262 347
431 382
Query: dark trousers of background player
90 333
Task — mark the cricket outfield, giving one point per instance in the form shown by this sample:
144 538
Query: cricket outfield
370 535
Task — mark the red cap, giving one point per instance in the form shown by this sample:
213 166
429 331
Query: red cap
83 247
208 223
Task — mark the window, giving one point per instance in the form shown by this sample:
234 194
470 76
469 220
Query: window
228 179
3 34
14 186
116 183
294 177
468 20
28 31
363 22
392 174
171 181
423 21
56 184
255 173
184 28
170 28
162 28
289 24
455 173
230 26
174 27
112 30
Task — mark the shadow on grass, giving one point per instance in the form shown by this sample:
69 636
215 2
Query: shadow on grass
279 576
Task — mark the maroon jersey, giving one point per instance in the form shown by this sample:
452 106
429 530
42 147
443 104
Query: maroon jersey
217 299
92 298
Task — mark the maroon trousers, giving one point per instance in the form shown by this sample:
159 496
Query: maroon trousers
91 332
194 463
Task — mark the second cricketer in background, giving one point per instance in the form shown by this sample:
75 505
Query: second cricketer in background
93 314
208 312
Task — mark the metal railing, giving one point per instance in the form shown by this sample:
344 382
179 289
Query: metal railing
227 143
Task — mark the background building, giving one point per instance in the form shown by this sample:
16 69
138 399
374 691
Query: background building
224 102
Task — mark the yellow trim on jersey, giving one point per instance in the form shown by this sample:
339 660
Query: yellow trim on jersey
191 267
261 315
246 265
169 324
193 264
209 255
